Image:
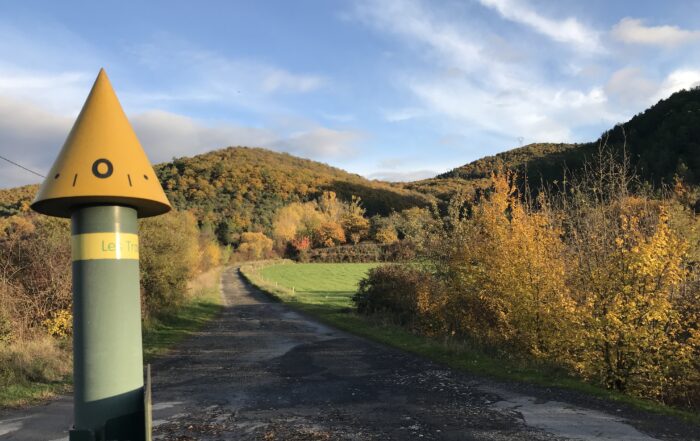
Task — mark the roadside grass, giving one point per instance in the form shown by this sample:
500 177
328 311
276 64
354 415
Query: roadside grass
162 333
325 292
39 368
33 369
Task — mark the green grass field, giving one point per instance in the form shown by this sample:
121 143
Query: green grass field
323 284
325 290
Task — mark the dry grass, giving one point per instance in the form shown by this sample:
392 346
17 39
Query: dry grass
205 281
33 369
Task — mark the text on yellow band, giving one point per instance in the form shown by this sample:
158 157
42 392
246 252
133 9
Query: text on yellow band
92 246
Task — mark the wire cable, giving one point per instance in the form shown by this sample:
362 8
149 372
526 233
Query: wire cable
22 167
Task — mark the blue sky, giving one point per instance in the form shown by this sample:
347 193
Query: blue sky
390 89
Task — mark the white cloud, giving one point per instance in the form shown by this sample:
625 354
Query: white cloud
320 142
569 30
409 19
30 136
636 90
190 73
402 176
33 136
684 78
58 91
165 135
480 92
536 113
630 87
633 31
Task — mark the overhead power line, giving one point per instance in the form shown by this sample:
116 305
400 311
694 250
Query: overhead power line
22 167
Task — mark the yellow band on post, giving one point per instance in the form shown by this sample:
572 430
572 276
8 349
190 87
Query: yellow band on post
92 246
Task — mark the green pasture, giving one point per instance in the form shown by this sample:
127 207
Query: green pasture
331 285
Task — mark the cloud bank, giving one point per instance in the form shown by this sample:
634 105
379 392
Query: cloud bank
33 137
634 31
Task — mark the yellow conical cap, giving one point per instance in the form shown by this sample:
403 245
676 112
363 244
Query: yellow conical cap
101 162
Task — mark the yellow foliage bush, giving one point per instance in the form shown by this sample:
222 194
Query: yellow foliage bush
255 245
329 234
211 255
507 276
170 256
602 282
386 234
60 324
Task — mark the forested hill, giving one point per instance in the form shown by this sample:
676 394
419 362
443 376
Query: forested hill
542 161
238 189
662 142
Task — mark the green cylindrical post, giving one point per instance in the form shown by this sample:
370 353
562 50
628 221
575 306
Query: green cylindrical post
103 181
108 360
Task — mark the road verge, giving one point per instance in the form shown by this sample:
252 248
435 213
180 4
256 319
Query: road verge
457 355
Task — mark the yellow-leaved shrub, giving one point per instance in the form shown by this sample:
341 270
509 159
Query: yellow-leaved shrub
594 278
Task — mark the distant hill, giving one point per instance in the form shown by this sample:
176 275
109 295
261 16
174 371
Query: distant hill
238 189
16 200
541 161
662 142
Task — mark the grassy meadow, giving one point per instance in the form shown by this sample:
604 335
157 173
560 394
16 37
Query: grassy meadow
330 285
325 291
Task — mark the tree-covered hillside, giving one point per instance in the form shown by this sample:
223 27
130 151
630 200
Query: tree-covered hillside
664 140
542 161
16 200
239 189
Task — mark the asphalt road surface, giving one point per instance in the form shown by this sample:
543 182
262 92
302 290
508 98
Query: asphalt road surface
263 372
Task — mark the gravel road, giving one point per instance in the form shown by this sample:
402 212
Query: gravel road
264 372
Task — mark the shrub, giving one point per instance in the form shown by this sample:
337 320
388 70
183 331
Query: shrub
361 252
170 256
255 246
596 278
395 291
35 268
329 234
60 324
211 255
386 234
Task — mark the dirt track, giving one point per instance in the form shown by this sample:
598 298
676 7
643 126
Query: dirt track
263 372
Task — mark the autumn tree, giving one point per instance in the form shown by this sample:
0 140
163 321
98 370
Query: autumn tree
296 220
255 245
354 222
329 234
